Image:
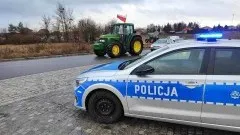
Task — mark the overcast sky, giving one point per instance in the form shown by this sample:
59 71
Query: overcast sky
139 12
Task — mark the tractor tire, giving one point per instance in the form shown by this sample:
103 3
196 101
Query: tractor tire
100 53
114 50
136 46
105 107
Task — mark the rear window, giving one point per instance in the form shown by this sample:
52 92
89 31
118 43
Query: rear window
227 62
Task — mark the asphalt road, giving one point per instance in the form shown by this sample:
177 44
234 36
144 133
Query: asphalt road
12 69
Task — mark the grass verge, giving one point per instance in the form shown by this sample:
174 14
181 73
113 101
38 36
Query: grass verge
37 50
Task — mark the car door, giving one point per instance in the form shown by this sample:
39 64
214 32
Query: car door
174 90
222 94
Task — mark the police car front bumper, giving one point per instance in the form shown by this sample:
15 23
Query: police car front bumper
78 91
79 107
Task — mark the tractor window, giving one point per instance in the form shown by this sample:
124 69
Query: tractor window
118 29
129 29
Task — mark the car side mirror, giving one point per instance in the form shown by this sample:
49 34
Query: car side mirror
143 70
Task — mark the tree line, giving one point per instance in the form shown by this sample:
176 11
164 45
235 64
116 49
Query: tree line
62 27
58 28
176 27
190 28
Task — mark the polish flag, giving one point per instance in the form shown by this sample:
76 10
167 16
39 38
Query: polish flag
122 18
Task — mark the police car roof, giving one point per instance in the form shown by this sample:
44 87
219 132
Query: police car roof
218 43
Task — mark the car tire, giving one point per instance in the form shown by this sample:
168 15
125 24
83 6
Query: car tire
105 107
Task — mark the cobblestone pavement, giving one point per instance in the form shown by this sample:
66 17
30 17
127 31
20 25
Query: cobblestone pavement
43 104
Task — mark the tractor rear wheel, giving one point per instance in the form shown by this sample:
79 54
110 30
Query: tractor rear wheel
136 46
114 50
100 53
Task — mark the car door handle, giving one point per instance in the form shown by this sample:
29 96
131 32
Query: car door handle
191 83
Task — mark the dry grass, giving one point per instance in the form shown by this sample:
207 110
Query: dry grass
36 50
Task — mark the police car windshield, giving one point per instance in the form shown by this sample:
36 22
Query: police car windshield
144 57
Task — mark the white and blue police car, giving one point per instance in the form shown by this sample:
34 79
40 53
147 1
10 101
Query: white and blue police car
195 83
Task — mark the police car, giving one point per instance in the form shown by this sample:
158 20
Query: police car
195 83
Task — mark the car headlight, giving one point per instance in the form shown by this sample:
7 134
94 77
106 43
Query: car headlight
102 40
80 81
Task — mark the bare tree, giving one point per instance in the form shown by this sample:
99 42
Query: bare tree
46 26
89 29
56 32
108 26
64 18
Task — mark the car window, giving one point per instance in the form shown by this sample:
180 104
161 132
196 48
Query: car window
178 56
146 56
227 62
180 62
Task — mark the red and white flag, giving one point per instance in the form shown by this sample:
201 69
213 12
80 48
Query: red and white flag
122 18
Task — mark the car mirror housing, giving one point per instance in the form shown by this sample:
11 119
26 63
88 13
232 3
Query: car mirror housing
143 70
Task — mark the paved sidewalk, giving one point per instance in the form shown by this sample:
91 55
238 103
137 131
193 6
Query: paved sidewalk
31 85
43 104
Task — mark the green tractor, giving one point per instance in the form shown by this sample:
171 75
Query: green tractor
122 39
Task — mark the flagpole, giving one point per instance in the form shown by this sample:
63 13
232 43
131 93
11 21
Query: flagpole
126 18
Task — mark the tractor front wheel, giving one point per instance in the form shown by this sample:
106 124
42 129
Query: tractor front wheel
136 46
114 50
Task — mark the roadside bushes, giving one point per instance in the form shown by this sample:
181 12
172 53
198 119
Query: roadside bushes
35 50
23 39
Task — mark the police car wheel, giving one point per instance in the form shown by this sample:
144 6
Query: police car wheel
105 107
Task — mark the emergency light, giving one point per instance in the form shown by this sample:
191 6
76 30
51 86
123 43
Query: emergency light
210 37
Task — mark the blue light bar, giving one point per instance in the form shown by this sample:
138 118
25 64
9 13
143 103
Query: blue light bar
210 36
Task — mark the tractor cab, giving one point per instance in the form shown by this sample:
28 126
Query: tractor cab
124 30
122 39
